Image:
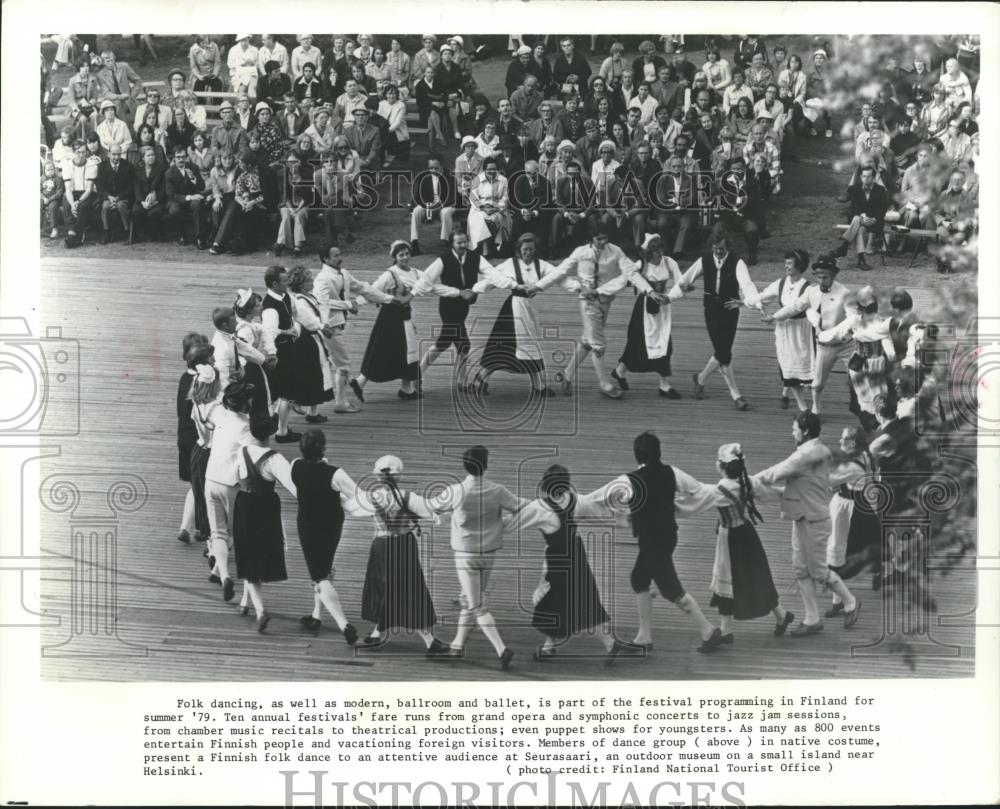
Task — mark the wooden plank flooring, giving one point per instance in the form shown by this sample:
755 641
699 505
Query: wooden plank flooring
129 317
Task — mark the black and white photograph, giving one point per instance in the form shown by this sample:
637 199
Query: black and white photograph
641 361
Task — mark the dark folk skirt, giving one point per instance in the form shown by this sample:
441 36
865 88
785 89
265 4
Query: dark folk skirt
258 538
385 356
572 603
307 360
754 593
636 358
500 353
395 593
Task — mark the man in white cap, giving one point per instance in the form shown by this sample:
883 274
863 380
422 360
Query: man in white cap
603 270
229 136
242 63
305 52
111 130
365 139
526 99
806 502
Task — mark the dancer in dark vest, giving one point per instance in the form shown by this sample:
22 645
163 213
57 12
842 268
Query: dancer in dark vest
280 330
452 277
320 522
651 492
258 536
187 435
727 287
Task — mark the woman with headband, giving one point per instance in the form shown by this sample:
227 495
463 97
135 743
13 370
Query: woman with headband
247 307
393 351
793 336
649 343
395 593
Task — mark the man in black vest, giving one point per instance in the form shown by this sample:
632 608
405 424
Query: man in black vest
727 280
651 490
451 277
279 331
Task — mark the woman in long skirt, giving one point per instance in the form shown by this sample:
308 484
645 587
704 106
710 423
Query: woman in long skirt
258 536
567 601
187 437
742 587
793 338
395 593
855 542
248 311
204 397
515 343
313 373
393 351
320 522
649 344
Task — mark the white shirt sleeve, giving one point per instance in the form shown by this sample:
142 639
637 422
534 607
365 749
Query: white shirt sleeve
429 282
676 292
269 330
344 483
549 275
693 273
770 292
534 515
366 291
750 296
630 272
276 467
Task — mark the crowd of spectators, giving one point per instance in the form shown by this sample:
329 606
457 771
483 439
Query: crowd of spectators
643 144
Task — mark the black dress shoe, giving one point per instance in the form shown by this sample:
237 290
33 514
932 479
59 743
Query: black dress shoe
228 590
784 403
184 537
317 419
779 630
310 624
622 381
673 393
741 404
368 642
505 658
835 610
437 649
699 389
288 438
727 640
713 642
415 395
262 623
350 634
358 390
214 579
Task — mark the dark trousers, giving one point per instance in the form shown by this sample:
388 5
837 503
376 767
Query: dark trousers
86 213
674 227
176 212
655 563
123 208
149 222
722 324
224 220
576 232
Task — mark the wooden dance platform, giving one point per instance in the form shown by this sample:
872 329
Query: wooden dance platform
122 599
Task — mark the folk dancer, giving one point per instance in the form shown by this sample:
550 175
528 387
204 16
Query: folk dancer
280 330
867 369
339 294
603 271
393 351
794 341
321 489
395 593
514 344
650 344
823 304
452 278
727 286
806 502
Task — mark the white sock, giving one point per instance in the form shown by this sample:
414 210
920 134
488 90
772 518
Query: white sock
807 587
245 598
220 550
689 605
800 398
187 520
607 637
361 379
284 412
465 621
550 643
710 367
256 597
726 624
489 627
644 601
664 383
327 593
730 377
317 612
836 585
426 636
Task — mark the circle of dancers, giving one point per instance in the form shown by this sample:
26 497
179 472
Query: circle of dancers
285 351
